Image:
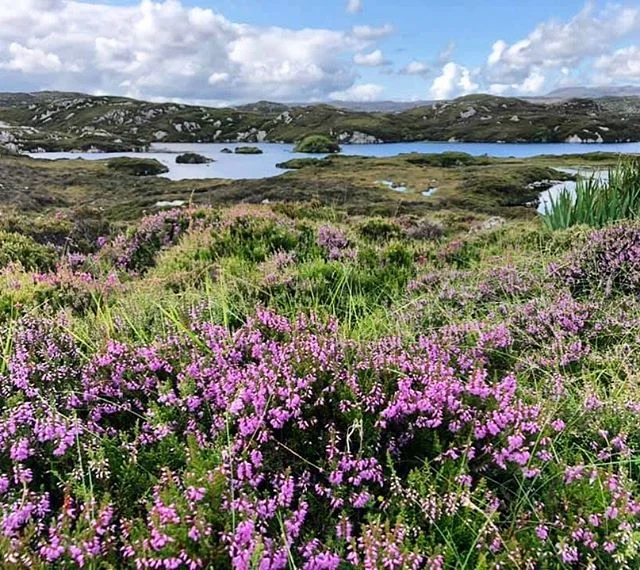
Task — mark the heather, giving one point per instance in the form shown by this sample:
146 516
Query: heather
277 387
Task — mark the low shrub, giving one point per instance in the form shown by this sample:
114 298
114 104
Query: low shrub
17 248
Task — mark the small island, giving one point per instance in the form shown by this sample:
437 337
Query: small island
248 150
226 151
193 158
317 144
137 166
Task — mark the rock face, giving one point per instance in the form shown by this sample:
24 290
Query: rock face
356 137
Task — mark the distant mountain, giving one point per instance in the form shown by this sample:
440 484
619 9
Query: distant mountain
73 121
596 92
380 106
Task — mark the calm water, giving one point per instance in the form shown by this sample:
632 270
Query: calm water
264 165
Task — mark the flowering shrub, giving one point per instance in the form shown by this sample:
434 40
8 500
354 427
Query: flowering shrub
608 263
302 440
318 401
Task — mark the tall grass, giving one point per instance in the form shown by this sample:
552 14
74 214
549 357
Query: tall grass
597 202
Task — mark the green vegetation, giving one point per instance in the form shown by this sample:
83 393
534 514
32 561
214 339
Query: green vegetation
298 163
248 150
137 166
193 158
317 144
486 186
597 202
287 381
70 121
23 250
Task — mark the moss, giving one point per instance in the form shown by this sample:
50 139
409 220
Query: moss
137 166
317 144
193 158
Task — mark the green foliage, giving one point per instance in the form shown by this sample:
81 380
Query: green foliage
379 229
16 248
597 202
317 144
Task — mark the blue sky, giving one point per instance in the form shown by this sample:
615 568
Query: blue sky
225 51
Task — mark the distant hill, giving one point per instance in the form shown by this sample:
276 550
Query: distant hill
380 106
596 92
74 121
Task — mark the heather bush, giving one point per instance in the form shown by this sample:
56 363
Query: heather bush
608 263
248 389
379 229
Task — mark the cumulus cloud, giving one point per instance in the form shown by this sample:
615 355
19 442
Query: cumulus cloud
416 67
373 59
621 65
553 45
362 92
164 49
453 80
354 6
27 60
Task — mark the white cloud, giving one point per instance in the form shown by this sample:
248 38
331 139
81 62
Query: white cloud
373 59
372 33
363 92
553 44
416 67
533 83
621 65
165 49
216 78
354 6
454 80
27 60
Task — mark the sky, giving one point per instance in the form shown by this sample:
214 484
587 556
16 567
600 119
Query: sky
222 52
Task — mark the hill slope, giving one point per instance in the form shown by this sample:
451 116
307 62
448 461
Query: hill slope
66 121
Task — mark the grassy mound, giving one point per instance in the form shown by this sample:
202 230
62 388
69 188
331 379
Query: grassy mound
317 144
137 166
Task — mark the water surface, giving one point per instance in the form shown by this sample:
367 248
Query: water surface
237 167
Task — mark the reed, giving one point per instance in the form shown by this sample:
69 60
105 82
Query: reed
597 202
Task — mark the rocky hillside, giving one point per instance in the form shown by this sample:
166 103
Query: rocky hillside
68 121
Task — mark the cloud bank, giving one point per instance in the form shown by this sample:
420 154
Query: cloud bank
165 49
